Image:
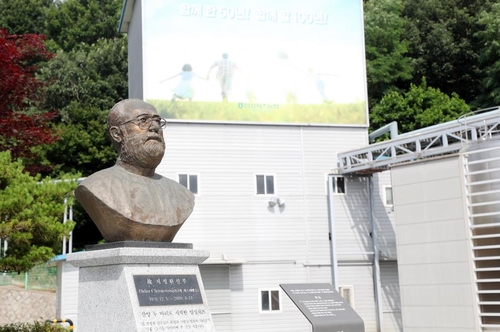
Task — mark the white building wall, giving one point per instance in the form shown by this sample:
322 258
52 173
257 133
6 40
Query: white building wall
274 245
67 292
385 225
247 280
385 219
433 251
227 157
352 221
355 251
216 280
392 320
360 276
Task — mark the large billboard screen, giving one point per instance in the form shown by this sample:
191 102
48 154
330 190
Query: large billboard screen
260 61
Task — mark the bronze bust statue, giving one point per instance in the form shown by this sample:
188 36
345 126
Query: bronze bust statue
129 201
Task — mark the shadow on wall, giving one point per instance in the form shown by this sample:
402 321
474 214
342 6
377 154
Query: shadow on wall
356 205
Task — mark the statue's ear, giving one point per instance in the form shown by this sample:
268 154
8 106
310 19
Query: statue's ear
116 133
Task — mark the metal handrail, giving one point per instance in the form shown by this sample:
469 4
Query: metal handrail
445 138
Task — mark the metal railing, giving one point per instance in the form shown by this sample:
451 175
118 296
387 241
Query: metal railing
445 138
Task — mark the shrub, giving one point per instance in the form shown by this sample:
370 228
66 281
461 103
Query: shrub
32 327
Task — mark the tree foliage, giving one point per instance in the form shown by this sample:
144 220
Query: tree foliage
420 107
25 16
22 124
95 76
84 146
489 57
31 210
75 24
443 44
84 85
386 62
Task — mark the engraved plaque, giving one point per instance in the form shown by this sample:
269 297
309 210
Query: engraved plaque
167 290
325 309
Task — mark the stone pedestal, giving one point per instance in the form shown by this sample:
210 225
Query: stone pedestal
151 287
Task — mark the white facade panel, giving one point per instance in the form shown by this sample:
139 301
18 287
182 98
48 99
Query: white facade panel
275 245
425 172
434 295
227 157
67 292
433 248
432 231
216 282
384 217
432 211
429 191
391 318
435 318
433 274
247 280
433 253
352 221
361 278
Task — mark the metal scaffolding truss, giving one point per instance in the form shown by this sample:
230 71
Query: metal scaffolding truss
445 138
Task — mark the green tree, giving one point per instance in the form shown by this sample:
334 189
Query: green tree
443 44
75 24
25 16
95 76
489 58
31 211
420 107
387 65
85 84
84 146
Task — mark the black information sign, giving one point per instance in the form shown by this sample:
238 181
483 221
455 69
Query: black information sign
162 290
325 309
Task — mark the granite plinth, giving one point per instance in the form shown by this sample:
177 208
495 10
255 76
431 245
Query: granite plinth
139 244
137 256
141 289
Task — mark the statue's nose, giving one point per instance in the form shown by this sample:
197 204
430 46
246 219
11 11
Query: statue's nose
154 126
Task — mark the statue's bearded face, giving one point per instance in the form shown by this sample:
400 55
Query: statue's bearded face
142 145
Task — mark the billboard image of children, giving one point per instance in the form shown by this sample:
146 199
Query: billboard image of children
225 73
185 88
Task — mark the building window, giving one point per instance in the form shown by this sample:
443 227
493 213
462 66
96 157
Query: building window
338 185
388 196
189 181
347 292
265 184
270 300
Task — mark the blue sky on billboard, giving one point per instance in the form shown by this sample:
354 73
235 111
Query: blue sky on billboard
300 52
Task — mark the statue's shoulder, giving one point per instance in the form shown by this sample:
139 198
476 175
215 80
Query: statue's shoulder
112 175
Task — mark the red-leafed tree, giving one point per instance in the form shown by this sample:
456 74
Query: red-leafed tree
22 124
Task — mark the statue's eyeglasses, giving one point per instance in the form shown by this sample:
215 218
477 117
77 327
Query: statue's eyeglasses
144 121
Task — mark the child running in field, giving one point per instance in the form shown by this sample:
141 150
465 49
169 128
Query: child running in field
184 89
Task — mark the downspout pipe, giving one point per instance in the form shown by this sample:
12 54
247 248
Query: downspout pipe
376 258
333 237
